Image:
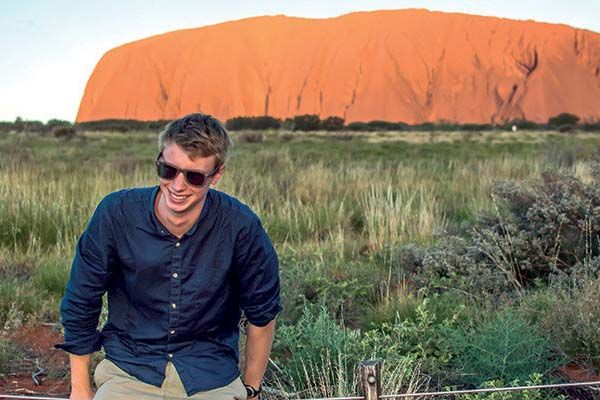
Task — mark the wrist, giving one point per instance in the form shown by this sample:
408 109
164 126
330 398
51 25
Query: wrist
252 392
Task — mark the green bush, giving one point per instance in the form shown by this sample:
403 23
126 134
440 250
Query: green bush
533 394
504 348
424 336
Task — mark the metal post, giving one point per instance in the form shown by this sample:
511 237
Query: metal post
370 379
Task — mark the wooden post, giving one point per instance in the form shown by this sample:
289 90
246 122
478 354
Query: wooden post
370 381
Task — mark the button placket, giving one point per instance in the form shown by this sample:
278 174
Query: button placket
175 293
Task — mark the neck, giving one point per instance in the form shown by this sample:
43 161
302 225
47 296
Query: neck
176 223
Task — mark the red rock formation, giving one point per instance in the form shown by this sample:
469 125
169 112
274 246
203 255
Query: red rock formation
406 65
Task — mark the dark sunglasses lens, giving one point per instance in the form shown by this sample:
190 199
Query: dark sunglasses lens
165 171
195 178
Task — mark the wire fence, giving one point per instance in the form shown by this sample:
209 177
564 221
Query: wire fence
370 383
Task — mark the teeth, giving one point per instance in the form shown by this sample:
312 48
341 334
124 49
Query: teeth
176 197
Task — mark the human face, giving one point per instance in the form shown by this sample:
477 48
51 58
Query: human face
179 197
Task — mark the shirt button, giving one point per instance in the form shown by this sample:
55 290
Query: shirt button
174 305
175 275
170 355
177 244
172 331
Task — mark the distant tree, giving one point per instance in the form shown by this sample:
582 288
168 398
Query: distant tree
377 125
34 126
357 126
258 123
522 124
332 124
563 119
53 123
306 122
288 124
65 132
19 125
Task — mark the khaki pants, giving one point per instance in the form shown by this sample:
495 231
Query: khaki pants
115 384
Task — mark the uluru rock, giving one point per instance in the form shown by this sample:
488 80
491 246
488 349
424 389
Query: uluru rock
406 65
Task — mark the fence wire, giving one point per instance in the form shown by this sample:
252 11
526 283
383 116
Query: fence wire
391 396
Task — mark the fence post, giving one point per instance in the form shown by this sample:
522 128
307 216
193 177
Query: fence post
370 381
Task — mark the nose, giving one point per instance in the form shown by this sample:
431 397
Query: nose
179 184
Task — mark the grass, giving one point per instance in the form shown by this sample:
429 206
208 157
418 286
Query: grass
337 207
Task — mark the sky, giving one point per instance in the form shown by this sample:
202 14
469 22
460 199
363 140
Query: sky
49 48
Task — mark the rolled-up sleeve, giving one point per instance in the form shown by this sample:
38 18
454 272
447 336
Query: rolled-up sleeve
90 273
258 273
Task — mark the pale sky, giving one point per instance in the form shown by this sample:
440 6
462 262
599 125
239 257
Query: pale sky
49 48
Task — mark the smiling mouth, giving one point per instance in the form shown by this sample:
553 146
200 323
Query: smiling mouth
177 198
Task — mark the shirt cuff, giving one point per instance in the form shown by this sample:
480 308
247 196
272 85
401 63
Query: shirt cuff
83 346
264 317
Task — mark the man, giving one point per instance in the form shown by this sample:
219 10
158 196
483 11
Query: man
179 261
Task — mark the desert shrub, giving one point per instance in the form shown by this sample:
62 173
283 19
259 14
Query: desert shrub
250 137
19 301
306 122
10 356
316 339
504 348
563 119
332 124
533 394
319 356
539 229
64 132
424 336
591 127
569 311
566 128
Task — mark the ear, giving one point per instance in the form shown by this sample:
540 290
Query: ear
217 176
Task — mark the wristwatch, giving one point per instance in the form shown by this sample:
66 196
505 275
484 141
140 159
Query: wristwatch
251 392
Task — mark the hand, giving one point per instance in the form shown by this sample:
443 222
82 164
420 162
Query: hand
81 394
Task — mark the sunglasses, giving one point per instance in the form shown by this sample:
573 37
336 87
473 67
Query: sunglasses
169 172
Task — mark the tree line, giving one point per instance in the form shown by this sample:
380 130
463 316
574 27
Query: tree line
563 122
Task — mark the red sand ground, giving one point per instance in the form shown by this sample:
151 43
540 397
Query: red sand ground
405 65
38 342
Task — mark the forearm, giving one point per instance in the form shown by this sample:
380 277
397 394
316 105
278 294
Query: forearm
80 372
258 348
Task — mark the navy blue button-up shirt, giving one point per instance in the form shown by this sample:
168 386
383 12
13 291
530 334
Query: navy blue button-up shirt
170 299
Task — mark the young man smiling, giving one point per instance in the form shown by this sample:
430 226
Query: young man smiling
179 262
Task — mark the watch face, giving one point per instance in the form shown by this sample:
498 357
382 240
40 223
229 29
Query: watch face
251 392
